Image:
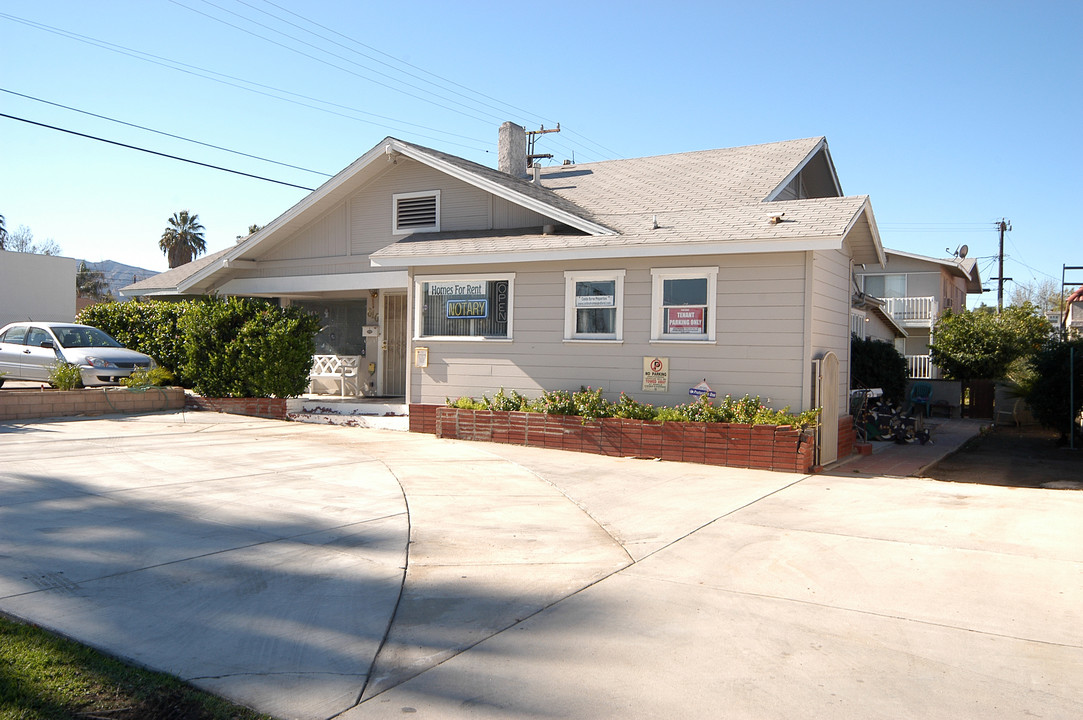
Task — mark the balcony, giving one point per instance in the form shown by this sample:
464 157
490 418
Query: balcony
913 311
920 367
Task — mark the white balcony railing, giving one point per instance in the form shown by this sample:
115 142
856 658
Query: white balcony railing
921 367
913 311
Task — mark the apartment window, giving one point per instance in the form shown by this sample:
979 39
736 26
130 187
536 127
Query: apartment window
594 305
683 303
416 212
460 307
885 286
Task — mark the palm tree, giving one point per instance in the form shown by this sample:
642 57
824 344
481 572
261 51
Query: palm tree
183 239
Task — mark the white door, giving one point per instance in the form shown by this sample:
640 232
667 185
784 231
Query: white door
829 402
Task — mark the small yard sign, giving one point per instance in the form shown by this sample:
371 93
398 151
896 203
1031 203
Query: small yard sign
700 389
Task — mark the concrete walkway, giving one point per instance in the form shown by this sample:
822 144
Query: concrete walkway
910 460
315 572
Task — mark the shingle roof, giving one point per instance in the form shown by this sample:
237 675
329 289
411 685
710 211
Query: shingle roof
803 219
169 280
521 186
709 179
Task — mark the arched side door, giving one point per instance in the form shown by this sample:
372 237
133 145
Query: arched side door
827 392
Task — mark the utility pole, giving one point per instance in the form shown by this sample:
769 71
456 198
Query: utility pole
531 137
1003 225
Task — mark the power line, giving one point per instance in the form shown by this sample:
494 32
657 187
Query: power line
536 119
267 91
166 134
155 152
328 62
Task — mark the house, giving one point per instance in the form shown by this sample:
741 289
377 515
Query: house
36 287
649 276
1071 319
915 290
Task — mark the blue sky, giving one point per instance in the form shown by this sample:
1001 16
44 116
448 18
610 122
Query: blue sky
950 115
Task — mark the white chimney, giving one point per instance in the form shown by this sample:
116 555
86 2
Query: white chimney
511 150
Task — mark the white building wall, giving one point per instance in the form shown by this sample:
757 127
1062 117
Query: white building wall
758 350
36 287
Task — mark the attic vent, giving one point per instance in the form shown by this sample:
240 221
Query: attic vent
416 212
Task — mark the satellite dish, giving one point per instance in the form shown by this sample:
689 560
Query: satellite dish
963 250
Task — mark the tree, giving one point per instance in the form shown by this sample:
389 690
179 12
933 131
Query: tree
1051 389
3 232
182 240
982 344
1047 295
877 364
91 283
22 240
252 229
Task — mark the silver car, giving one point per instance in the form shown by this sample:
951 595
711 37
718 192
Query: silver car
29 349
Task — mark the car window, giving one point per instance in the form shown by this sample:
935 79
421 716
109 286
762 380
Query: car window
14 335
37 336
82 337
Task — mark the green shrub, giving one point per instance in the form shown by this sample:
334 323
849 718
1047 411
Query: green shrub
508 403
589 403
877 364
467 403
154 377
554 402
629 408
240 347
65 376
1050 391
149 326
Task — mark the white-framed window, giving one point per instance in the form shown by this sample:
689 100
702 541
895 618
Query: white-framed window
683 303
885 286
594 305
464 307
415 212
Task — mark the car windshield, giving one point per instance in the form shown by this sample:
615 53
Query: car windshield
83 337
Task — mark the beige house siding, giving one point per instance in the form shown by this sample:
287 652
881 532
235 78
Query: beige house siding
759 317
324 237
831 312
341 239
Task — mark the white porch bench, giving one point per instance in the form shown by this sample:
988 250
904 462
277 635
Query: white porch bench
344 369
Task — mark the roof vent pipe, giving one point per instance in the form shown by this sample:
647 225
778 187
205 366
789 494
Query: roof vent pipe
537 173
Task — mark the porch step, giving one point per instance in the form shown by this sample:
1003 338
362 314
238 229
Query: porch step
392 422
350 412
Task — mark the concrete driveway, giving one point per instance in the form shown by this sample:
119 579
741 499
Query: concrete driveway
317 572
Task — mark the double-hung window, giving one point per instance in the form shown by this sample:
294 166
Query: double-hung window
683 303
459 307
594 305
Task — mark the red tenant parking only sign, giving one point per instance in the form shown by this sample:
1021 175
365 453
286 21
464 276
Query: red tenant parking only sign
685 320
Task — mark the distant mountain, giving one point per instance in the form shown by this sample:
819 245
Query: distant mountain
118 275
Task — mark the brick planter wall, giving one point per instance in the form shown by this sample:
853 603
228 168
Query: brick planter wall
272 408
764 447
31 404
847 436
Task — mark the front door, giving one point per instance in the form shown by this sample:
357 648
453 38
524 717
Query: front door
394 344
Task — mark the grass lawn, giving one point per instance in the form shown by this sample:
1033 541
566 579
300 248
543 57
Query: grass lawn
46 677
